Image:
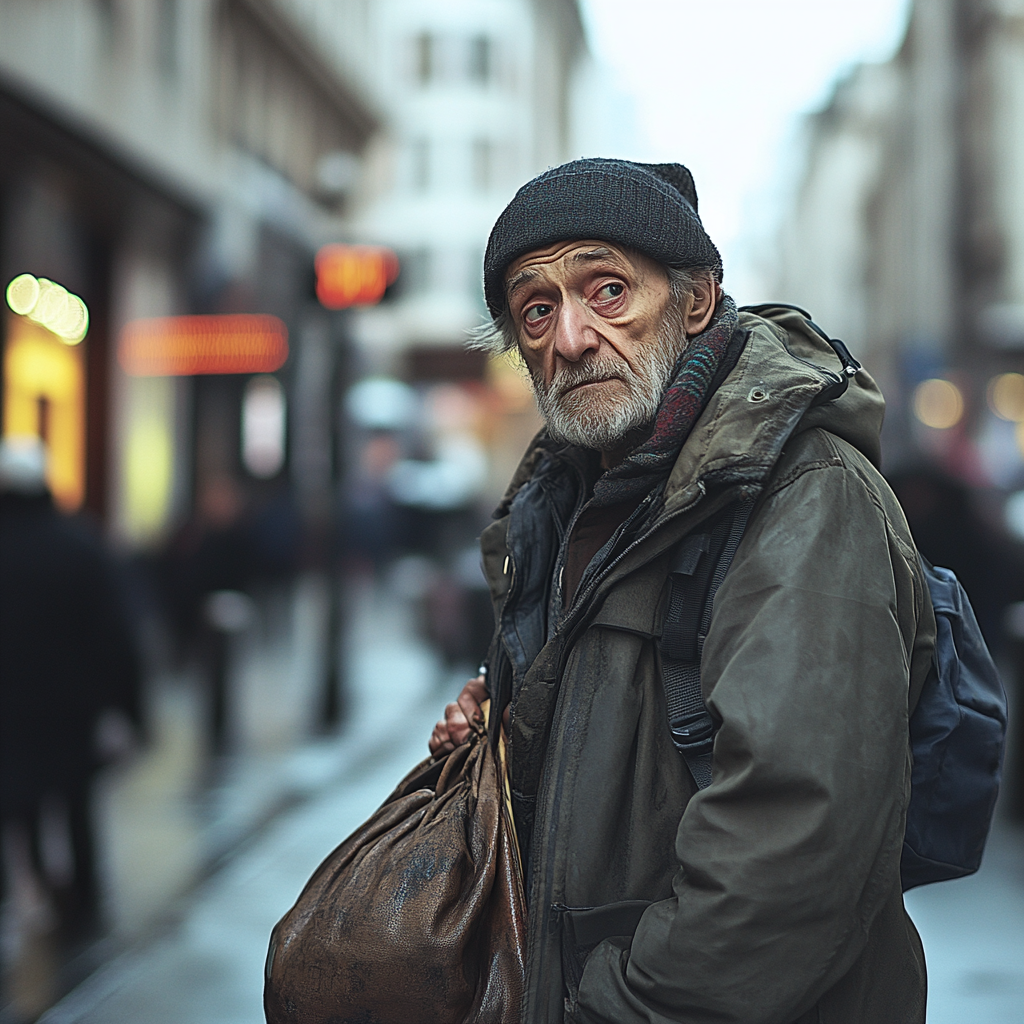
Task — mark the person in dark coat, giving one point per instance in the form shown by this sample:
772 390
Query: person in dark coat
209 566
67 655
752 831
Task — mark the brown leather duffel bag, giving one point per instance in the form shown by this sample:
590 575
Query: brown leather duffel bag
419 916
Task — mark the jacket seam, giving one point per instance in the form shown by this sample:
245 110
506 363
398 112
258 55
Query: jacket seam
798 471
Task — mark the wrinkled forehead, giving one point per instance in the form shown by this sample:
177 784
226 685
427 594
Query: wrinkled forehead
560 256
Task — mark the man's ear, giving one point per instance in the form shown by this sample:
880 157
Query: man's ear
706 293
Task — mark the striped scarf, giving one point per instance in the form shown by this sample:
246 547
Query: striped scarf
680 408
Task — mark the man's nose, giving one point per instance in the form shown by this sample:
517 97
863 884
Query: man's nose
575 334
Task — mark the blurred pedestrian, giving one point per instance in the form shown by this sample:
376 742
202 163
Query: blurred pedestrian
67 657
370 518
209 567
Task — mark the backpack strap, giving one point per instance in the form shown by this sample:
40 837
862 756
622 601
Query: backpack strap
698 568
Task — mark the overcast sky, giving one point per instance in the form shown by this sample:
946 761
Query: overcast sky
720 86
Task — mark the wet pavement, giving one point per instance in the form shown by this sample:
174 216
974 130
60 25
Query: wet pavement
209 967
177 827
973 933
204 963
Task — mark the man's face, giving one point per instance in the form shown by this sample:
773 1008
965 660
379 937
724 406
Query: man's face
600 336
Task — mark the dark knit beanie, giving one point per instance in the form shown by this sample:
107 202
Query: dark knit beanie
649 207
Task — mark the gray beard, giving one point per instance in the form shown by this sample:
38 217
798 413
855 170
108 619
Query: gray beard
586 418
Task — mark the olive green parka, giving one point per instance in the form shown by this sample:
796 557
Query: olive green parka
775 892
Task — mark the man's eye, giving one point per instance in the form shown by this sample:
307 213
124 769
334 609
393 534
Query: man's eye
535 313
611 291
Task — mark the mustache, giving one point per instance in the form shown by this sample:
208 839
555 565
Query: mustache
592 371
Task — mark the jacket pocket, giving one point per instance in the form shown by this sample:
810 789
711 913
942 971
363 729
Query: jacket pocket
582 928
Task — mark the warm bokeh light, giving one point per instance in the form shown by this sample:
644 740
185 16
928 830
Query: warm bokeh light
354 275
1006 396
938 403
148 471
44 397
182 346
23 294
50 305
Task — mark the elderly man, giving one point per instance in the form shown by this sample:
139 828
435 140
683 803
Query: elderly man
761 886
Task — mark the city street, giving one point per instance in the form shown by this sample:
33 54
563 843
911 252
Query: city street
290 287
205 966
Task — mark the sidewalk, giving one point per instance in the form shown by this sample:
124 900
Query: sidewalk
268 823
973 933
209 969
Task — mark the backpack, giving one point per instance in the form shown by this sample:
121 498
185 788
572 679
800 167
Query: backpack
957 730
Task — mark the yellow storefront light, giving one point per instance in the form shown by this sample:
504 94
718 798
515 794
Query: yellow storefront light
1006 396
44 396
938 403
50 305
149 474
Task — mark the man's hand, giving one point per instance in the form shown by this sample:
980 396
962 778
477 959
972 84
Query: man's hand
454 728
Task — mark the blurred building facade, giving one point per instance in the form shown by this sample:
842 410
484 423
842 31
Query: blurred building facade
164 157
479 98
906 240
906 236
176 158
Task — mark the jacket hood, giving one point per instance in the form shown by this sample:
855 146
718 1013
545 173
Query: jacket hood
857 415
780 386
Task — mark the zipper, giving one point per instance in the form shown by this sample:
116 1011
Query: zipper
623 527
585 592
566 644
555 601
509 568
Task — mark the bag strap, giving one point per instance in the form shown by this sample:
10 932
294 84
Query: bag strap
698 568
497 672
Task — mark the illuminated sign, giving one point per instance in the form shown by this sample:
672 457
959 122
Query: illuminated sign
354 275
49 305
181 346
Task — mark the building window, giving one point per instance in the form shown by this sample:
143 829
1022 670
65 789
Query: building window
167 38
426 58
272 103
107 19
483 164
44 397
421 165
480 60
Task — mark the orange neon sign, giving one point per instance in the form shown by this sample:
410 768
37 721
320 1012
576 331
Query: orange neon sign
354 275
181 346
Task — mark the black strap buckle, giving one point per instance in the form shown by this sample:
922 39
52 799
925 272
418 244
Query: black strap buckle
693 733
